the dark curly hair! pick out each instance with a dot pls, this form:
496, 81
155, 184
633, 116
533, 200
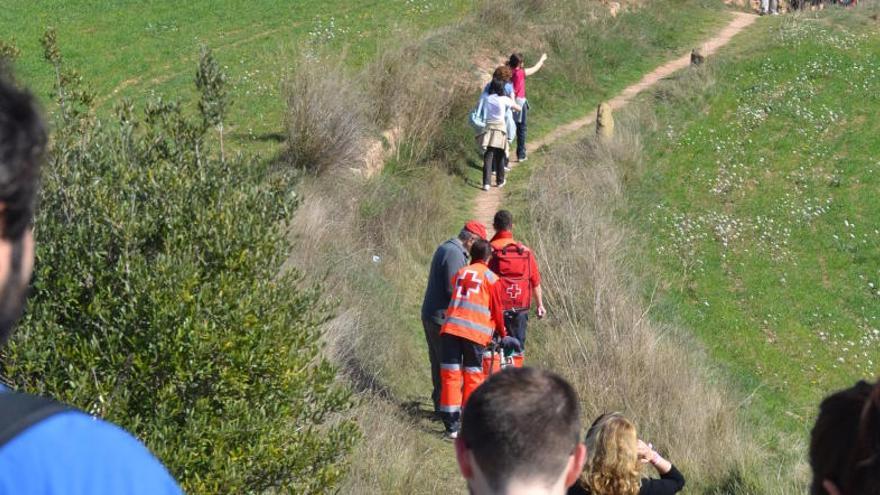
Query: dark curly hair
845, 442
496, 87
515, 60
22, 148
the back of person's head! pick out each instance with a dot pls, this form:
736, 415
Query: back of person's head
496, 87
612, 457
502, 73
521, 426
516, 60
845, 442
22, 147
480, 250
503, 220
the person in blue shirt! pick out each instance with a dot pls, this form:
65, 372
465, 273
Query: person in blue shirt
50, 448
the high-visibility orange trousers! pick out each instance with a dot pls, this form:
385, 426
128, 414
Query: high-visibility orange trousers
461, 372
518, 359
493, 362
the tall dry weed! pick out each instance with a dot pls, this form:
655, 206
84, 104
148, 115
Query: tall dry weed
603, 339
326, 119
366, 243
411, 97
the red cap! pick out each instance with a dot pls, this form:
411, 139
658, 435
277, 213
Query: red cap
476, 228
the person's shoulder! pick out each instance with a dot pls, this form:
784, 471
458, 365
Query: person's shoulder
497, 243
452, 246
72, 452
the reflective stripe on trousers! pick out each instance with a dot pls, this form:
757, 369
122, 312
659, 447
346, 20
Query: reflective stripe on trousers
460, 374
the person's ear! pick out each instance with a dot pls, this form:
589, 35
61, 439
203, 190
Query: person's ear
576, 464
463, 456
830, 487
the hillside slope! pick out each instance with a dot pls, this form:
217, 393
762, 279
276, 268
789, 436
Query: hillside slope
392, 222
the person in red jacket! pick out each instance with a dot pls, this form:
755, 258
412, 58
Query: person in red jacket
515, 264
473, 318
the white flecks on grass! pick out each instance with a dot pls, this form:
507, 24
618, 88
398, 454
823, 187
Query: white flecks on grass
770, 95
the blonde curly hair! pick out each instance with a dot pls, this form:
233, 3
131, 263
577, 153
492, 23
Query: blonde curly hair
612, 466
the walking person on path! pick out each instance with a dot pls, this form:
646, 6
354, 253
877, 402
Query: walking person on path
473, 318
449, 258
520, 279
503, 73
769, 7
47, 447
493, 141
519, 74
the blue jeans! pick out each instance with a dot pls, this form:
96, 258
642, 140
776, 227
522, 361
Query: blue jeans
516, 323
521, 128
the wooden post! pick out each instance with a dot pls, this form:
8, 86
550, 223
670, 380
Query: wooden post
604, 121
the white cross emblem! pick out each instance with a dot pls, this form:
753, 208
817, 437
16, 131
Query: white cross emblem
467, 283
513, 291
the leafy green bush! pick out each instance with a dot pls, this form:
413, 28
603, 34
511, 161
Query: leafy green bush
159, 303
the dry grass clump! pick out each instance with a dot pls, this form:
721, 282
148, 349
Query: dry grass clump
326, 119
603, 340
411, 97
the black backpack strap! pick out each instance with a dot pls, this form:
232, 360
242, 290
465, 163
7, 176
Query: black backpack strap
18, 412
518, 246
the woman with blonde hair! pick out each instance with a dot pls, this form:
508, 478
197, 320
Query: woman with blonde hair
614, 459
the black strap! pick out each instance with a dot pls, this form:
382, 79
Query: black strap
18, 412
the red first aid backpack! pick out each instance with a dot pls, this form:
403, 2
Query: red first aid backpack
513, 264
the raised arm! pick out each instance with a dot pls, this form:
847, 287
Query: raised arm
671, 480
535, 68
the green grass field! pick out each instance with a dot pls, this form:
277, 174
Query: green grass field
132, 49
759, 208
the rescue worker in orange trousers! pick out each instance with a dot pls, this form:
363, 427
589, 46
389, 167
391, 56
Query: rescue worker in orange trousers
474, 316
448, 259
515, 265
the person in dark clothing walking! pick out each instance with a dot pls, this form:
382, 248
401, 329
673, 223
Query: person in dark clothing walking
449, 258
614, 453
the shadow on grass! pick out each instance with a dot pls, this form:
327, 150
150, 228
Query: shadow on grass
266, 137
418, 409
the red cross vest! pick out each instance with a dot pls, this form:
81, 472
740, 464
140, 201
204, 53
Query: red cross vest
469, 315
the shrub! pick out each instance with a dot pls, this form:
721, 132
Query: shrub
326, 121
159, 304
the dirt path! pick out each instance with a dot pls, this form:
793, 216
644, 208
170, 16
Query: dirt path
489, 202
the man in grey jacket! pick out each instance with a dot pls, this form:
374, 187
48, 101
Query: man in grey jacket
449, 257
